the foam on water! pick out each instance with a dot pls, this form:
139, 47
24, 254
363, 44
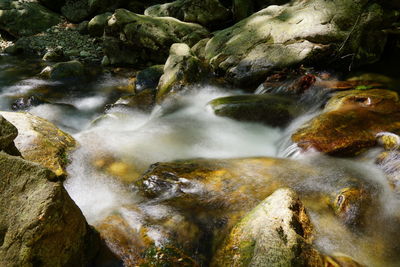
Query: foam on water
192, 131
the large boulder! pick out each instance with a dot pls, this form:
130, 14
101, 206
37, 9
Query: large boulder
41, 141
40, 225
8, 133
182, 68
23, 18
138, 39
64, 70
204, 12
299, 32
350, 122
278, 232
98, 23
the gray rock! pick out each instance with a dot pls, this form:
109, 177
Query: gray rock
67, 70
40, 225
204, 12
182, 68
149, 77
98, 23
137, 38
8, 133
275, 233
25, 18
299, 32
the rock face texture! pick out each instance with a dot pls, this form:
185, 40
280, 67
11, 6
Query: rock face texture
39, 224
277, 232
204, 12
8, 133
138, 38
41, 141
298, 32
350, 122
182, 68
25, 18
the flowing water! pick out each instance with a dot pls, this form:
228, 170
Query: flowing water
116, 149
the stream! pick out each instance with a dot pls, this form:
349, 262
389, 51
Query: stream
116, 147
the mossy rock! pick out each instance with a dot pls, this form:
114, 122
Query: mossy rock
204, 12
8, 133
146, 38
41, 141
268, 109
149, 77
300, 32
40, 224
350, 122
23, 18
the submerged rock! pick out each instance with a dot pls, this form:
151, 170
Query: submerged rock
350, 122
41, 141
40, 224
225, 189
298, 33
204, 12
138, 38
182, 68
278, 232
142, 101
24, 18
268, 109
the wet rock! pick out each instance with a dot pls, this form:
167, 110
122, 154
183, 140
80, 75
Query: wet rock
138, 241
23, 18
199, 49
268, 109
8, 133
204, 12
41, 141
182, 68
42, 226
138, 38
350, 121
27, 102
54, 55
98, 23
299, 32
221, 191
64, 70
142, 101
149, 77
388, 140
278, 232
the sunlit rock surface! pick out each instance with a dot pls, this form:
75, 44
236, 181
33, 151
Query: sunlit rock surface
350, 122
298, 32
39, 223
139, 38
204, 12
41, 141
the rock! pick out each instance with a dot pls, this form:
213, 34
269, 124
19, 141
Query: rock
199, 49
204, 12
65, 70
98, 23
138, 241
54, 55
142, 101
23, 18
135, 39
41, 141
278, 232
26, 102
149, 77
40, 224
8, 133
221, 191
350, 122
300, 32
388, 140
182, 68
268, 109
